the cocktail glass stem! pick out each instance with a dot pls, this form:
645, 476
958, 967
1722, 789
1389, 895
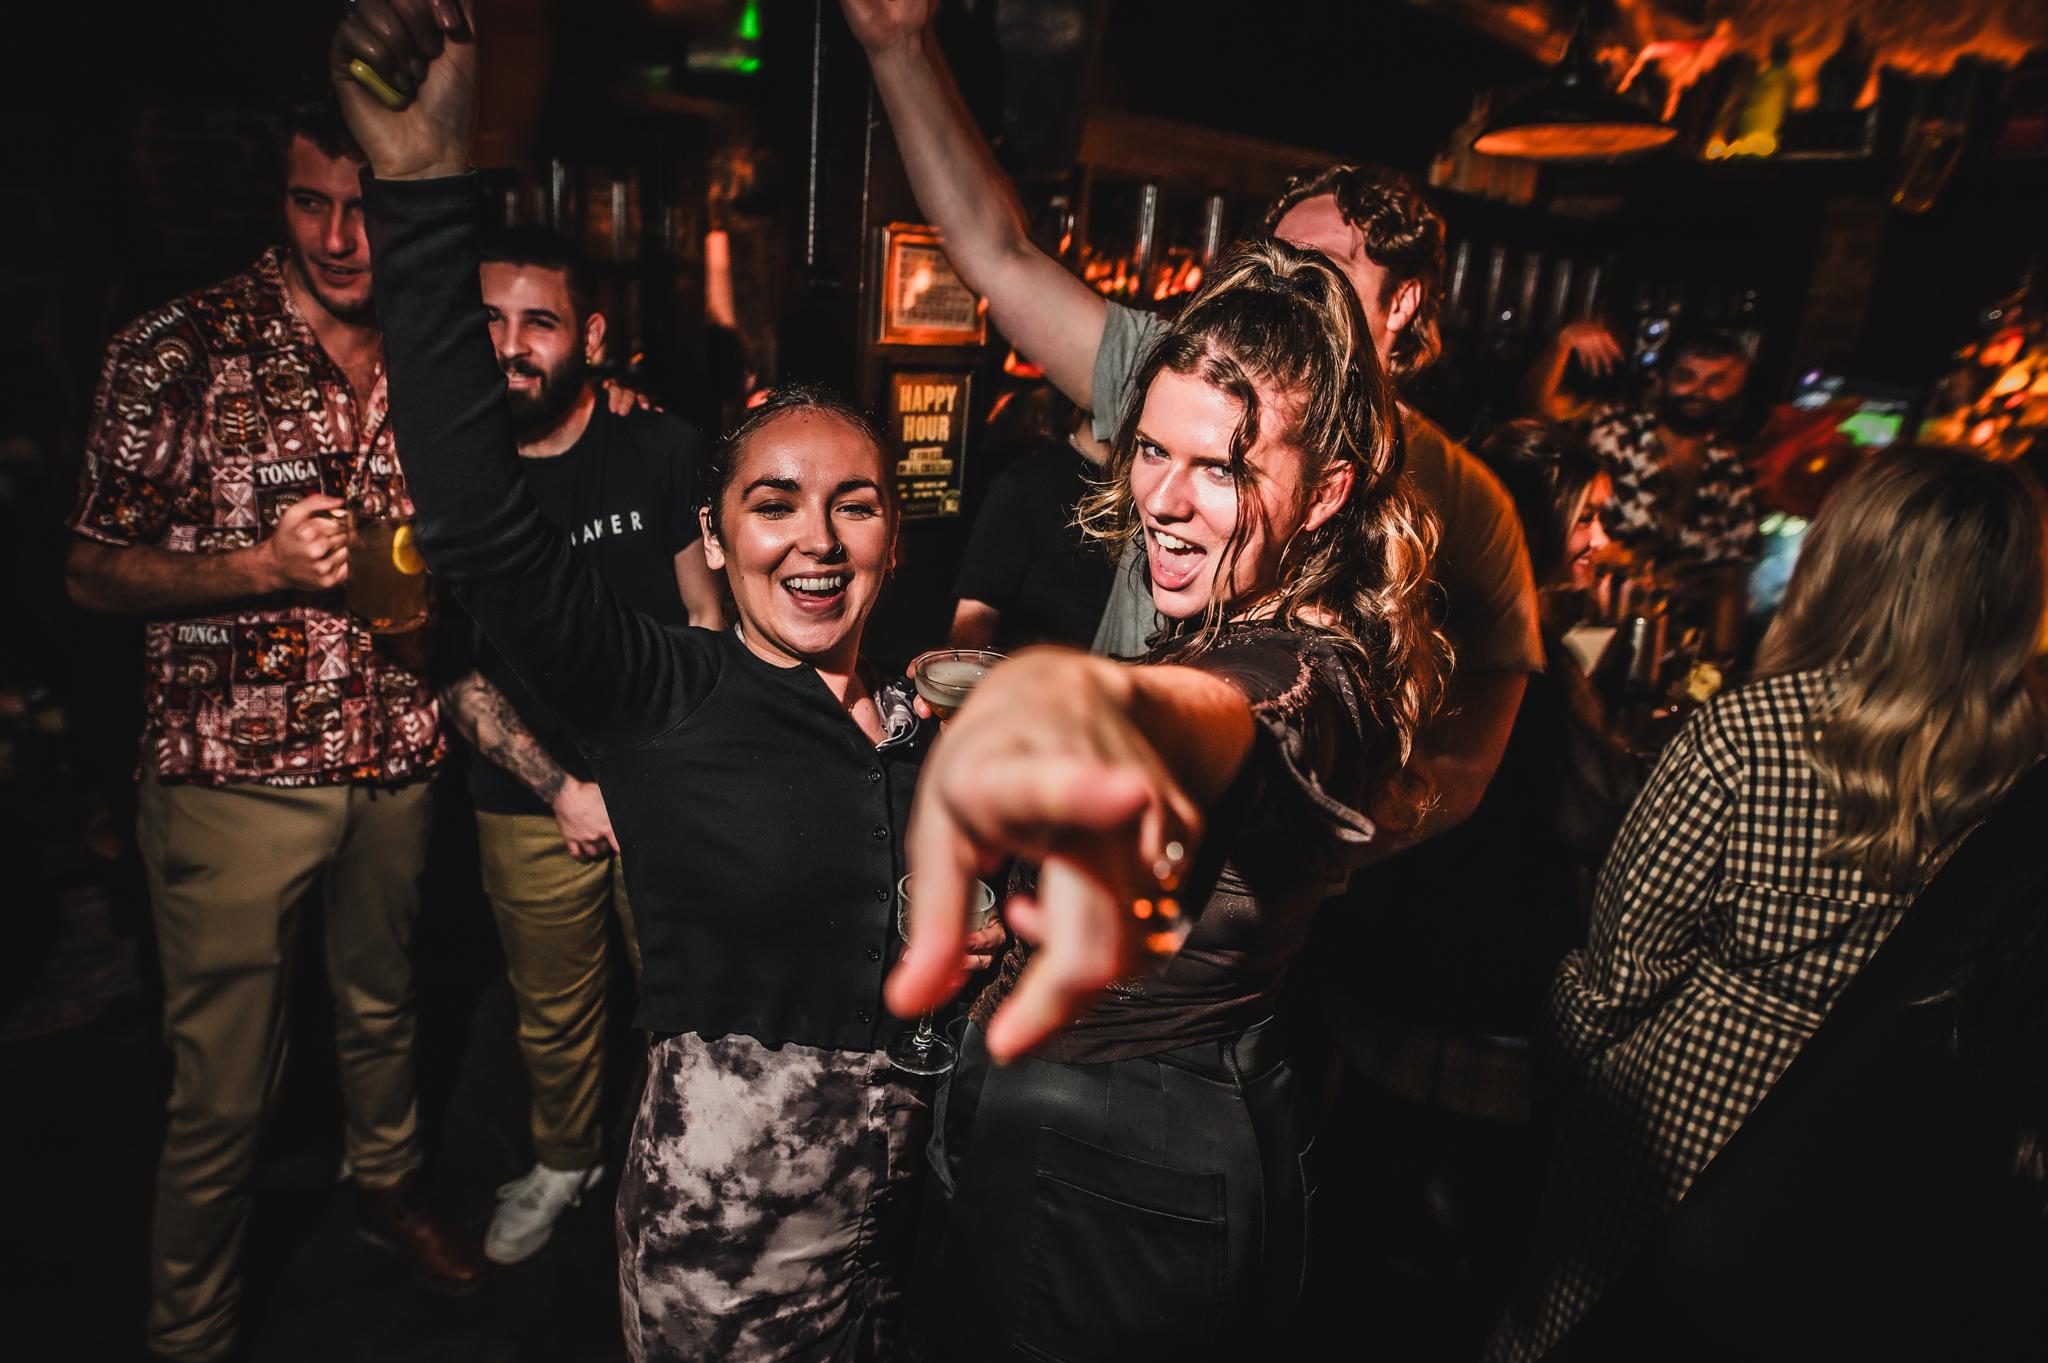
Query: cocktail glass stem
924, 1051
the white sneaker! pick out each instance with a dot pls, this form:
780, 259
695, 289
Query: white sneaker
528, 1208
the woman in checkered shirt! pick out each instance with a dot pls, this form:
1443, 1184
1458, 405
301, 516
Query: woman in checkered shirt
1780, 838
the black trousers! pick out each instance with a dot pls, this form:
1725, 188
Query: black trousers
1154, 1208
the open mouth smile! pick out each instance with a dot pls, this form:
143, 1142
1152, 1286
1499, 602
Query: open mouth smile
1175, 562
818, 593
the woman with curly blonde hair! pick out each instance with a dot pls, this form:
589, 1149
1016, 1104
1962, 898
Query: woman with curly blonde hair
1779, 841
1122, 1175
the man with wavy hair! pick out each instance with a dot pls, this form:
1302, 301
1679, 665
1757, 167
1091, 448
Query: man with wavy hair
1385, 240
285, 752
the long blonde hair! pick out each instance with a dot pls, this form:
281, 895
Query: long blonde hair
1922, 583
1270, 313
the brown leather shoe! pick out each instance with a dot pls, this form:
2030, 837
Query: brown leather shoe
444, 1256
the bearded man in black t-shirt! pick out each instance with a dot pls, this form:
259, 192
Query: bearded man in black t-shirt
623, 488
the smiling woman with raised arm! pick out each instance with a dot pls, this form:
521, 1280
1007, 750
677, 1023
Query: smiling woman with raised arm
1130, 1184
757, 778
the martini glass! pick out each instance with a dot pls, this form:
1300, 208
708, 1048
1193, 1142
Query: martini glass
924, 1051
944, 676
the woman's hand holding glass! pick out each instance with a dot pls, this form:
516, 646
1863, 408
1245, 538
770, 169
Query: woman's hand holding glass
923, 1050
945, 677
1046, 760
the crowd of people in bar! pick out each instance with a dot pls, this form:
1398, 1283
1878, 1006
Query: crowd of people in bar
1350, 869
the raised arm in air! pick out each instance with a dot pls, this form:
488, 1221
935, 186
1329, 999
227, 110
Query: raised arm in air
612, 675
1050, 316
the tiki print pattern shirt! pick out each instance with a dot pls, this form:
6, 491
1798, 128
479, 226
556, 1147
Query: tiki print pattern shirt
1721, 525
214, 413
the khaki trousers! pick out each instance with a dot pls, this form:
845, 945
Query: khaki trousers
551, 911
228, 868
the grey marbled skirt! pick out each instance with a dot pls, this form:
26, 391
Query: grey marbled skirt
767, 1202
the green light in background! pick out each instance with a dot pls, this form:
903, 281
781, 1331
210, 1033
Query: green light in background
1873, 428
736, 55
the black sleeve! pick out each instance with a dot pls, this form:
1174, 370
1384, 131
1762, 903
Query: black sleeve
998, 548
1312, 748
613, 676
453, 650
686, 458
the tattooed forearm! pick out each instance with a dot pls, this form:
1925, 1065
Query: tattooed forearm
482, 715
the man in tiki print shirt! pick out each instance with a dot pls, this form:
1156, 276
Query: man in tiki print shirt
1684, 499
234, 431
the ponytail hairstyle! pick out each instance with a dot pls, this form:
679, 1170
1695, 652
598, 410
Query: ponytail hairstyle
1922, 582
1274, 315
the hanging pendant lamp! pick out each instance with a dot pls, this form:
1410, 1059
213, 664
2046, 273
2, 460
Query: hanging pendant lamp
1573, 116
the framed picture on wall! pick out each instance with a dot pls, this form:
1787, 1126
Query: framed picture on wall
923, 301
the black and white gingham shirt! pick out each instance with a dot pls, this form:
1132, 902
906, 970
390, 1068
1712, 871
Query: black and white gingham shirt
1719, 941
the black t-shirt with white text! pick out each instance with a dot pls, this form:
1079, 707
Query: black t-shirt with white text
626, 495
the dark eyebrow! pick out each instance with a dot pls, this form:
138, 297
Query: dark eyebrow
307, 191
857, 485
544, 314
775, 484
1197, 459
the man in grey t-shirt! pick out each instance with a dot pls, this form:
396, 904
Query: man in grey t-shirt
1386, 241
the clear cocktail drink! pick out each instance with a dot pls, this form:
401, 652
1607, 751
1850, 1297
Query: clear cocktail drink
922, 1050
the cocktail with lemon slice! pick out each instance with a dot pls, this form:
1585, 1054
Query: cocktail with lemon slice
387, 578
